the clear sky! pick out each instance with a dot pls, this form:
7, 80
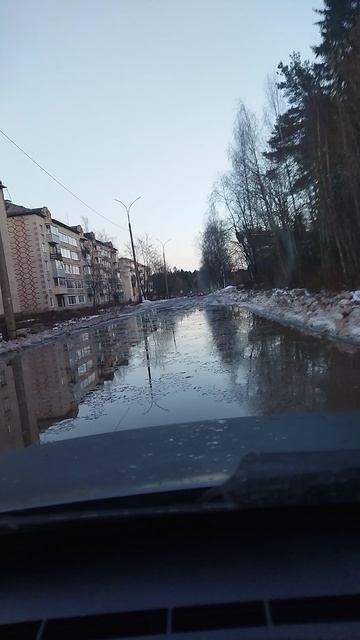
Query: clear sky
119, 98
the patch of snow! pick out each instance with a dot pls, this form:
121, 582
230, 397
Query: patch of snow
336, 315
229, 288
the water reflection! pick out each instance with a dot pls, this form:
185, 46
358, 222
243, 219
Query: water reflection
167, 367
284, 369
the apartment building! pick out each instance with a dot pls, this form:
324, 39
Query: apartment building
53, 265
46, 259
128, 278
66, 264
29, 257
101, 271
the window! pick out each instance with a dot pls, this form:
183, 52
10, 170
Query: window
74, 255
63, 237
71, 299
71, 268
59, 282
59, 264
54, 230
81, 299
65, 252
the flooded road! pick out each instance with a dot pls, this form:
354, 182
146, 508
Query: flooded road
180, 362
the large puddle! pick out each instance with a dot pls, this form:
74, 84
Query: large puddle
167, 366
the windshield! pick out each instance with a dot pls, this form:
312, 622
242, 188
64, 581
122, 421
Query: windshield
179, 249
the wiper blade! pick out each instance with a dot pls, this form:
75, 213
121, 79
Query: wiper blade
290, 479
103, 510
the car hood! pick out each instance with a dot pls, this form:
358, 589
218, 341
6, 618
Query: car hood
253, 461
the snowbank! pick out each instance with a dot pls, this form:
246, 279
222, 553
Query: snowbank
336, 315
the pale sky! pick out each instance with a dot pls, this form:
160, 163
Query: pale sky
120, 98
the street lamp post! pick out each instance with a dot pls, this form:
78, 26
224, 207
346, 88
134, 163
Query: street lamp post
164, 261
127, 209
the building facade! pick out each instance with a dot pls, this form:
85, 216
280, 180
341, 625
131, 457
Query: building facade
128, 278
8, 258
66, 264
53, 266
30, 257
102, 272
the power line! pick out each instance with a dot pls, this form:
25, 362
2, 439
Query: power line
50, 175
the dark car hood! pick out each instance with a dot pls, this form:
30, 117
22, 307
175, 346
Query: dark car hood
242, 461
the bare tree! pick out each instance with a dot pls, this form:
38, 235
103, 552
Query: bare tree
215, 253
149, 260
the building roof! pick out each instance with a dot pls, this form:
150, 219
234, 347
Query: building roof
75, 229
17, 210
90, 235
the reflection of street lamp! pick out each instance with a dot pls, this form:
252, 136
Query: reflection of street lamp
165, 271
148, 366
127, 209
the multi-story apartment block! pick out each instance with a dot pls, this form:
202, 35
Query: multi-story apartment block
46, 258
101, 271
53, 265
66, 264
128, 277
29, 257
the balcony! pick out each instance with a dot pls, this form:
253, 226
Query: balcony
55, 254
52, 239
57, 272
59, 290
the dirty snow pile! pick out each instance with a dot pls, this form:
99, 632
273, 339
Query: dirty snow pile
336, 315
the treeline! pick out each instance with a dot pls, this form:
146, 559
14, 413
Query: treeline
290, 202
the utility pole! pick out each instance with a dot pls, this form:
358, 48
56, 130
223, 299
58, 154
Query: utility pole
4, 278
127, 209
165, 269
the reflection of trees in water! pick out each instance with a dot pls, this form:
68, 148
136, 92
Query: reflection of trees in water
276, 369
225, 325
161, 331
298, 371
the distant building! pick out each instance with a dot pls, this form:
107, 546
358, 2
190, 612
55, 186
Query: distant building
128, 278
66, 264
101, 271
